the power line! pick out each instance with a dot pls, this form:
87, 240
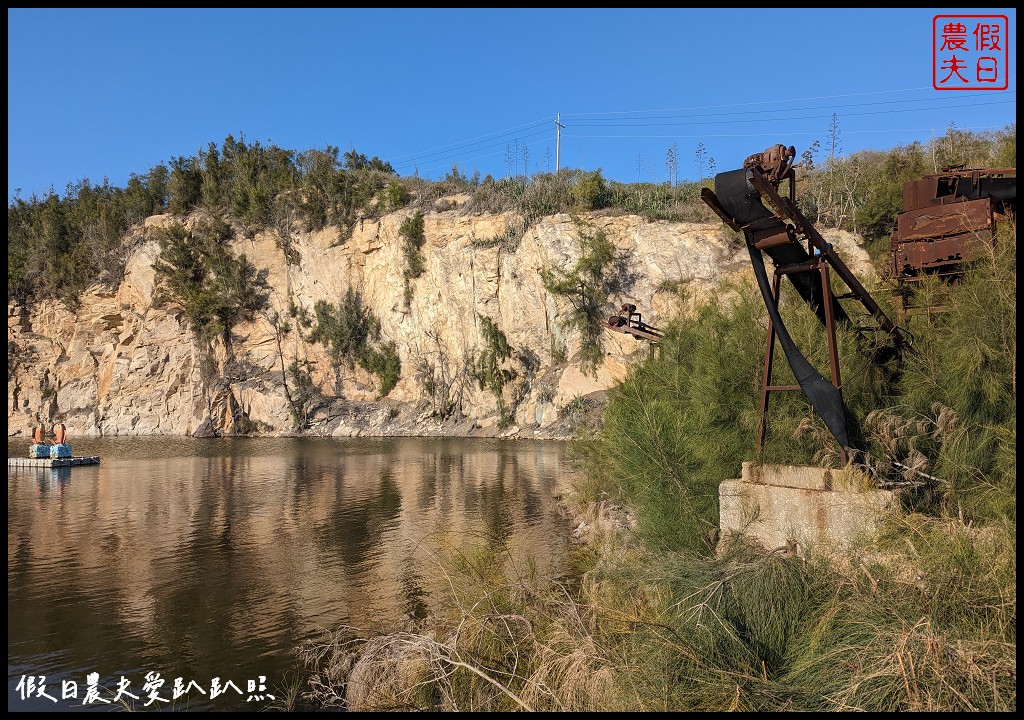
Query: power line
441, 155
497, 133
808, 117
594, 122
467, 160
415, 162
761, 102
440, 163
773, 134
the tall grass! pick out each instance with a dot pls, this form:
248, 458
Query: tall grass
920, 617
965, 367
502, 639
928, 625
686, 418
924, 619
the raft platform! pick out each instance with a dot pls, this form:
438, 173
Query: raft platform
51, 462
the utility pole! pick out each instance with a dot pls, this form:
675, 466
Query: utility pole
558, 139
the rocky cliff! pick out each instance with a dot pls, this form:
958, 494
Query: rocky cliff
120, 363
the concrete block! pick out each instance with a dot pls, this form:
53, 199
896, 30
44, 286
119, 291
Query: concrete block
796, 507
794, 476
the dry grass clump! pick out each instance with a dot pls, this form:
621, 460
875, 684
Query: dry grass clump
920, 618
493, 644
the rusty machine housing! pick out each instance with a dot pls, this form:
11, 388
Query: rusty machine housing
949, 220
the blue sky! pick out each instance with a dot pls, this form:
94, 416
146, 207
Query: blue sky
105, 93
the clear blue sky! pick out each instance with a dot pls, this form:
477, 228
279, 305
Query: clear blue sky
104, 93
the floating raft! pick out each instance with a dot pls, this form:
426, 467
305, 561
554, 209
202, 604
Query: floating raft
51, 462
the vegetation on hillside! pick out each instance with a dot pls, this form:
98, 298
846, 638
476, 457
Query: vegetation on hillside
413, 238
599, 272
351, 333
60, 244
492, 368
215, 289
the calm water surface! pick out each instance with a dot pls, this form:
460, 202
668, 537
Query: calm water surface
216, 558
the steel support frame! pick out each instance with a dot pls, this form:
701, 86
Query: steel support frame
767, 387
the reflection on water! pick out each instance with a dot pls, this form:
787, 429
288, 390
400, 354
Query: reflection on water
206, 559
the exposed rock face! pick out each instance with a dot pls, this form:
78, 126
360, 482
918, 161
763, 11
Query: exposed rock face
120, 364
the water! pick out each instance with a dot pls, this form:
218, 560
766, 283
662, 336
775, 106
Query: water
216, 558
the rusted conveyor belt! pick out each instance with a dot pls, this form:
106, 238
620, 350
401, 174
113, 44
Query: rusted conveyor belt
737, 199
800, 253
769, 234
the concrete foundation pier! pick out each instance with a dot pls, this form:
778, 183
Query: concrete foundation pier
798, 508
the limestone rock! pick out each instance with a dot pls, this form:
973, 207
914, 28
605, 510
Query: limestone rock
122, 364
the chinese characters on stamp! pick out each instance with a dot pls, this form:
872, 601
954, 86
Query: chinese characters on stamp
970, 52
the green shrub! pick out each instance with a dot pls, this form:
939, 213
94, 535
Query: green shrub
590, 191
490, 369
960, 386
394, 196
304, 397
413, 238
599, 272
351, 332
344, 329
215, 289
383, 362
882, 198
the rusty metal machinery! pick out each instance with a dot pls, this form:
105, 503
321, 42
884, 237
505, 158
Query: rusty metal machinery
799, 253
629, 321
948, 220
